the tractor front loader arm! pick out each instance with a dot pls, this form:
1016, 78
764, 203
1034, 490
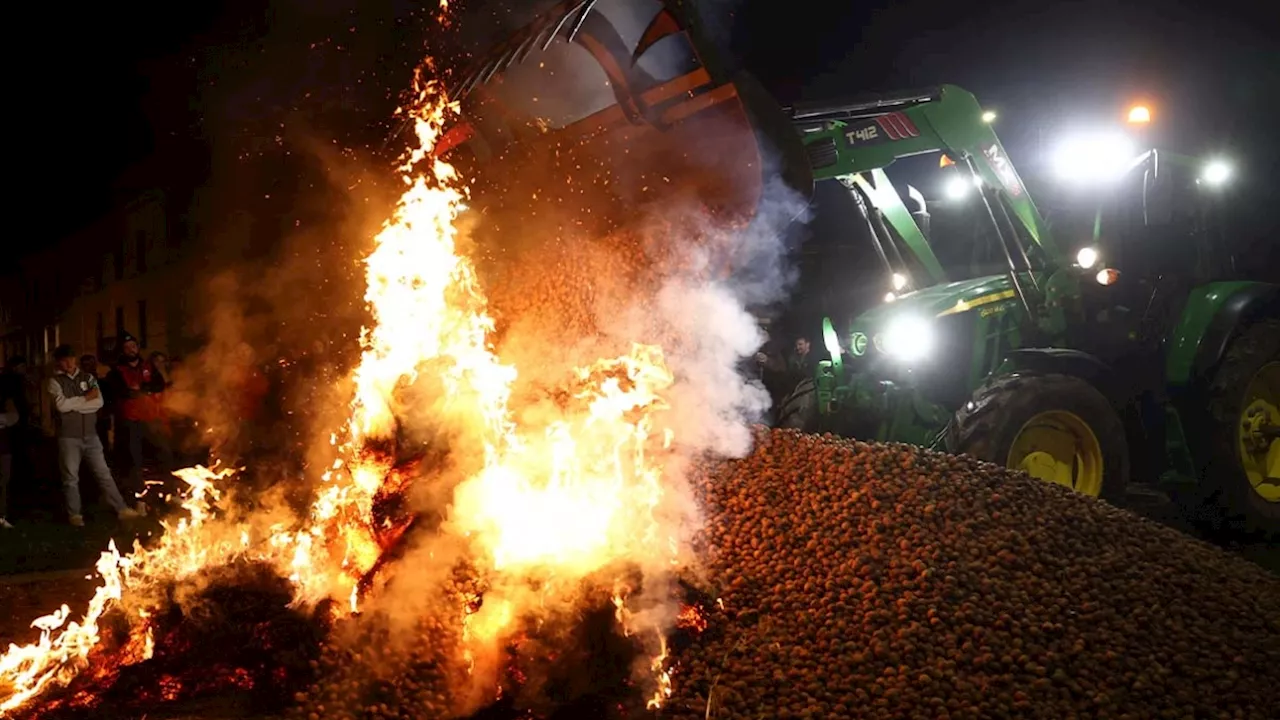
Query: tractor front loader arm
867, 134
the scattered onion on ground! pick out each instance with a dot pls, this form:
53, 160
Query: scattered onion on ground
885, 581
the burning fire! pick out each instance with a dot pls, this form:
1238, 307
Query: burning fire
551, 504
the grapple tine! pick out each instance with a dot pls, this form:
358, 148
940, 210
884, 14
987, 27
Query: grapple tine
588, 5
535, 40
463, 88
468, 82
536, 35
570, 9
493, 68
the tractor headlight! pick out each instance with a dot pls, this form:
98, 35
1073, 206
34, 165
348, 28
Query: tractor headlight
959, 186
1093, 159
1087, 258
907, 338
1216, 173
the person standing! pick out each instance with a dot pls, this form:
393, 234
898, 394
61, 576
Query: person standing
17, 441
161, 424
135, 384
771, 369
8, 419
77, 399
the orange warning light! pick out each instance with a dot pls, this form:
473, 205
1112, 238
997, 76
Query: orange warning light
1139, 115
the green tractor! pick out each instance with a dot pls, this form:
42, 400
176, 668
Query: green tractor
1147, 355
1141, 352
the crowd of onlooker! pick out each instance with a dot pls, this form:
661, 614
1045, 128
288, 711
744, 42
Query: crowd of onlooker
104, 415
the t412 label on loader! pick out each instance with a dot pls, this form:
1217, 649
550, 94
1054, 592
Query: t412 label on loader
877, 130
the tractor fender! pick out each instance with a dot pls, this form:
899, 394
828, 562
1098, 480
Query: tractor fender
1189, 392
1247, 305
1064, 361
1099, 374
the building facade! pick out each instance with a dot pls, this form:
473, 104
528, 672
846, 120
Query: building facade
125, 272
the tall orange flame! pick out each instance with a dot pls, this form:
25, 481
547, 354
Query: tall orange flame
551, 504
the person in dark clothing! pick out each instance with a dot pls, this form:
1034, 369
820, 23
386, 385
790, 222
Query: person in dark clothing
13, 383
136, 386
802, 364
771, 369
8, 418
15, 414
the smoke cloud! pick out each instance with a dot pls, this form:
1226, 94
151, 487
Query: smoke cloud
279, 313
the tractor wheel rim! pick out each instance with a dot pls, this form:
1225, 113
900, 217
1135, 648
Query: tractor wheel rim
1261, 409
1059, 447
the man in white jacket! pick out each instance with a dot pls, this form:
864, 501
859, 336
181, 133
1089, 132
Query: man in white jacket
77, 399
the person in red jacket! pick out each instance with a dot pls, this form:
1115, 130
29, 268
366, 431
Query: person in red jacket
137, 382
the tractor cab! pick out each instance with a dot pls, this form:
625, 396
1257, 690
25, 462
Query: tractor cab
1158, 234
1164, 217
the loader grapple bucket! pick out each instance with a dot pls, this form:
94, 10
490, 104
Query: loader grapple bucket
600, 112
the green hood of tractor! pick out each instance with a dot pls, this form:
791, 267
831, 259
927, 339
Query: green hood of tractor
945, 299
979, 294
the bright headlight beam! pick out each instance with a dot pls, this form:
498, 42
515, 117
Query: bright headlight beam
1093, 158
908, 339
1216, 172
956, 188
1087, 257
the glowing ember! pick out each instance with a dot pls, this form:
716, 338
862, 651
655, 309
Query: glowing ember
692, 618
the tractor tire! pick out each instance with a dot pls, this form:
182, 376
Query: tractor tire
1225, 476
989, 424
799, 409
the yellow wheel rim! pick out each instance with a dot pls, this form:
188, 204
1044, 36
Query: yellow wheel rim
1259, 420
1059, 447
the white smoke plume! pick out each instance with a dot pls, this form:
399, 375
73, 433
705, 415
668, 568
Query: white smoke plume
708, 328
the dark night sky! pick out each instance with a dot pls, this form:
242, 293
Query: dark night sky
178, 77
